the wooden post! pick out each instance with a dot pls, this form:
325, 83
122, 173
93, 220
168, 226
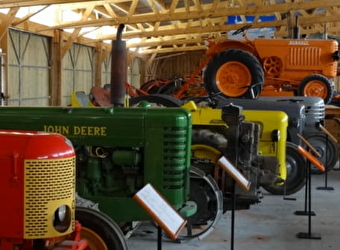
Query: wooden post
56, 69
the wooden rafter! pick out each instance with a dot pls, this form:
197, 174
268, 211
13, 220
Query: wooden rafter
163, 24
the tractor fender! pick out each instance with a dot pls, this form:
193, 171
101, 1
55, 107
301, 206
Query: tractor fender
231, 44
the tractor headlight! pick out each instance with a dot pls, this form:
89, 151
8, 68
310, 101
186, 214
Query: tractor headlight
62, 218
275, 135
61, 213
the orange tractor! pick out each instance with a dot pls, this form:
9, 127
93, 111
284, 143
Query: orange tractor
280, 67
267, 67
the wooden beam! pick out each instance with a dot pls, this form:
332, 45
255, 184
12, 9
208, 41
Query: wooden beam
26, 3
26, 18
98, 64
76, 32
160, 21
6, 22
56, 70
181, 14
177, 49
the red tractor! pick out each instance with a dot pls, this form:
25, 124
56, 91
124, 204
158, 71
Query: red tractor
37, 195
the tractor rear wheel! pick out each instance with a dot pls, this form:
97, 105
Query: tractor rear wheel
296, 172
234, 73
318, 86
206, 149
101, 232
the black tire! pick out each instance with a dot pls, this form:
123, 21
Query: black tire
209, 138
324, 146
208, 198
296, 173
253, 88
151, 86
101, 232
158, 99
171, 87
322, 87
209, 145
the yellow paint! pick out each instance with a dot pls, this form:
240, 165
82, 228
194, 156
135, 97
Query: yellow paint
76, 130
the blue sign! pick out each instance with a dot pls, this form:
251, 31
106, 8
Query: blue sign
249, 19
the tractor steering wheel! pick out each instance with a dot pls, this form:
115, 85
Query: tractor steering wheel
240, 30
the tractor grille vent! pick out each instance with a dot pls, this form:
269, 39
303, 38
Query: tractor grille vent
304, 56
46, 183
175, 157
315, 112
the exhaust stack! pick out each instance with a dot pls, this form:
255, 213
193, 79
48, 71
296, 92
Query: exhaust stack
296, 29
118, 69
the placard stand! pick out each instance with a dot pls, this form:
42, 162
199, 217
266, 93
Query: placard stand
284, 194
159, 209
159, 237
310, 159
307, 192
328, 135
238, 178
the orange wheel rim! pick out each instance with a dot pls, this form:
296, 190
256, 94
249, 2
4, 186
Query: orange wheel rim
273, 66
233, 79
315, 88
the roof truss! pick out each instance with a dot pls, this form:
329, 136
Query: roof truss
167, 26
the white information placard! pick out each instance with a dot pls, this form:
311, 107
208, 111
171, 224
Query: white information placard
234, 173
160, 210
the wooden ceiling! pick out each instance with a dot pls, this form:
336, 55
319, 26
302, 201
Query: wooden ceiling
176, 26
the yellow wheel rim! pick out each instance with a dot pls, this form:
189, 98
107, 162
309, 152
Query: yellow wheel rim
95, 242
233, 78
205, 151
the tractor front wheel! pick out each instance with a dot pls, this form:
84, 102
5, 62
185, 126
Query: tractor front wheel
318, 86
326, 147
101, 232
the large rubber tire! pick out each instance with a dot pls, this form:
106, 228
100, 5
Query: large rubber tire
208, 198
324, 146
296, 173
236, 73
211, 139
101, 232
152, 86
207, 144
157, 100
318, 86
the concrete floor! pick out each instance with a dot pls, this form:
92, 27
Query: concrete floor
271, 224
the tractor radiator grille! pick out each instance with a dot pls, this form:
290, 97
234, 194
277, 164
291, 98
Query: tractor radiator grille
175, 157
304, 56
48, 184
315, 111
